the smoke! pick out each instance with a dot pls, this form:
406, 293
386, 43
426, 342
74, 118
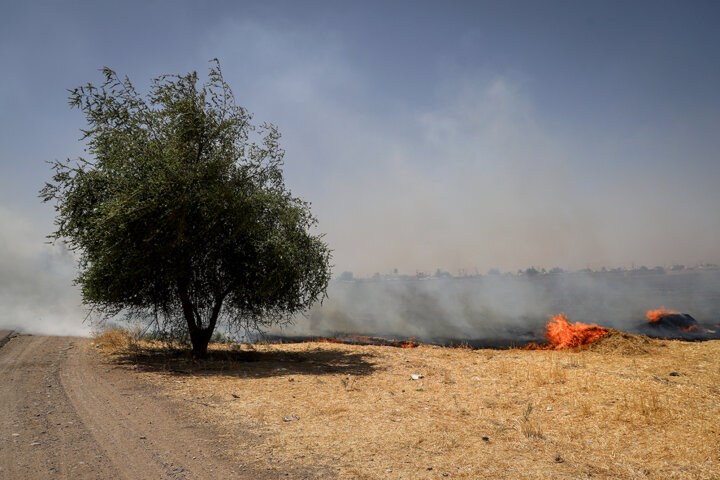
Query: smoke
482, 183
469, 174
502, 309
476, 176
36, 290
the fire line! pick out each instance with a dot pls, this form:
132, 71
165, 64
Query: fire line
561, 334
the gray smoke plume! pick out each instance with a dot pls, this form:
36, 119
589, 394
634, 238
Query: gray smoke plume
502, 309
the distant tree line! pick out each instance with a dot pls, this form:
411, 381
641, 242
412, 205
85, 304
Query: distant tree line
530, 272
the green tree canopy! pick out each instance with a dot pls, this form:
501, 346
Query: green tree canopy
180, 213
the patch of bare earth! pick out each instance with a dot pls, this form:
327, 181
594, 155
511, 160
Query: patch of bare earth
624, 407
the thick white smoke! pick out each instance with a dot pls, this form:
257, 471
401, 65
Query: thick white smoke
36, 290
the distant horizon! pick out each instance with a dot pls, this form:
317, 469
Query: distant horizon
539, 270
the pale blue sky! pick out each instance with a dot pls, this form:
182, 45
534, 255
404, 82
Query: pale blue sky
426, 134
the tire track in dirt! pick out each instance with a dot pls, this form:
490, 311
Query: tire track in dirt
66, 414
139, 432
41, 435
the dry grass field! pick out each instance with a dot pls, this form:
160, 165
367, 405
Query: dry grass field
624, 407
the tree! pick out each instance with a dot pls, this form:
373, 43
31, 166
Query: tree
181, 214
531, 271
346, 276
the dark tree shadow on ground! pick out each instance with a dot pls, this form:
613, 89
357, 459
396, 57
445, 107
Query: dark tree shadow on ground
249, 363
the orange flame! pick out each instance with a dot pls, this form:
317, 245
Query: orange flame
324, 340
693, 328
411, 343
561, 334
654, 316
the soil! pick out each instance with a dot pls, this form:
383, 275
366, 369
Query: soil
64, 413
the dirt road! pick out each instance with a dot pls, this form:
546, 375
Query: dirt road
5, 336
65, 414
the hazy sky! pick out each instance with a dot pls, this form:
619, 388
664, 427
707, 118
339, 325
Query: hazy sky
426, 134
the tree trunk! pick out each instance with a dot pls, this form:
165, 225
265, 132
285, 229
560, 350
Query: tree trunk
199, 336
